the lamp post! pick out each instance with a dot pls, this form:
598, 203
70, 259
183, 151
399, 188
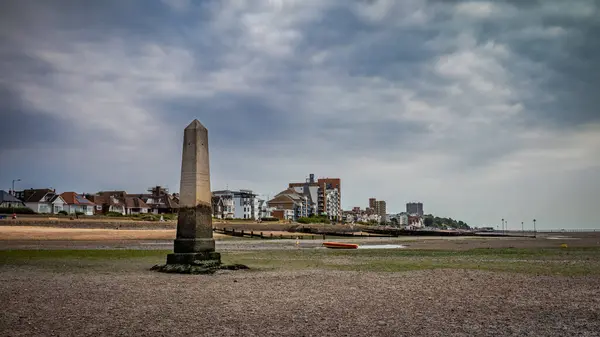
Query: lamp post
13, 193
505, 226
13, 186
534, 229
523, 228
502, 226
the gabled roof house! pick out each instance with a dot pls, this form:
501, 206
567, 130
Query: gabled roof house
9, 201
77, 203
43, 200
118, 202
292, 200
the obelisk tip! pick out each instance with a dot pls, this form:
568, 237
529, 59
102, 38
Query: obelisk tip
195, 124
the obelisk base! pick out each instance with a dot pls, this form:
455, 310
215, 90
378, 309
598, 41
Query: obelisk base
195, 263
192, 258
191, 263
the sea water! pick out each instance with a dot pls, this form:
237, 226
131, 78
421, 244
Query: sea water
380, 246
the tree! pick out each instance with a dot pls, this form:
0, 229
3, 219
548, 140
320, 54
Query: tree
428, 221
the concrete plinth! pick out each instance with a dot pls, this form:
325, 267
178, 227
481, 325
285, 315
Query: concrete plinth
194, 230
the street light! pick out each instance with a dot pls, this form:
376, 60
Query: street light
502, 226
522, 228
13, 186
534, 230
13, 193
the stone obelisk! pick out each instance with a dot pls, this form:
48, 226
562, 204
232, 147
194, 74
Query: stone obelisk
194, 244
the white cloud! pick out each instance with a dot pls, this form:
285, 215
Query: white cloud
104, 85
477, 9
576, 9
393, 13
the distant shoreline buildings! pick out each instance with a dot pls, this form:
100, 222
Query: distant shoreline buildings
319, 197
415, 208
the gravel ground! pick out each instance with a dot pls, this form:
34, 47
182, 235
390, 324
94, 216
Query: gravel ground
297, 303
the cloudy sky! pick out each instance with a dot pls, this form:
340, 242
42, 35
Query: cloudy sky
482, 110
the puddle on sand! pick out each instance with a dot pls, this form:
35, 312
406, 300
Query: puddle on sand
380, 246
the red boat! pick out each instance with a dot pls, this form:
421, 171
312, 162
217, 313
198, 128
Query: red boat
340, 245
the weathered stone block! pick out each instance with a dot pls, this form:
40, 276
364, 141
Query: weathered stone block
191, 258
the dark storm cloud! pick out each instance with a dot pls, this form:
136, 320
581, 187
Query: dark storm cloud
574, 80
563, 47
97, 19
374, 137
22, 126
235, 120
363, 49
22, 130
338, 27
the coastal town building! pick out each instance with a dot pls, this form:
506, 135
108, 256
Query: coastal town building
76, 203
359, 215
43, 200
399, 219
157, 201
379, 208
414, 208
320, 193
291, 205
7, 200
117, 202
242, 204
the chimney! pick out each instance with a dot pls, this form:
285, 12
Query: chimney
311, 178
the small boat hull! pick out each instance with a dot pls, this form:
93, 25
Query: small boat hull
340, 245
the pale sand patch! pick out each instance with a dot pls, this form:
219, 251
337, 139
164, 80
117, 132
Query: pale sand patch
49, 233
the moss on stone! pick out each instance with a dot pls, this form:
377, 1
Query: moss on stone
198, 267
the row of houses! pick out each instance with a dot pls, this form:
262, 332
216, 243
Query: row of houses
353, 216
407, 220
320, 197
48, 201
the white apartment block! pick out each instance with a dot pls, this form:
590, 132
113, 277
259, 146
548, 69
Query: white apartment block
333, 203
242, 204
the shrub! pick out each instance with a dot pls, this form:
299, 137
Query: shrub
16, 210
63, 213
314, 219
117, 214
150, 217
167, 216
304, 220
79, 213
269, 219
